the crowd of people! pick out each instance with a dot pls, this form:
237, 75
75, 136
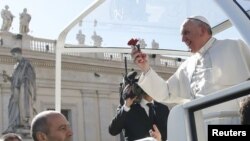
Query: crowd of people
204, 72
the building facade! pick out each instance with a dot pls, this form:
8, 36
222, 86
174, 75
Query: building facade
90, 83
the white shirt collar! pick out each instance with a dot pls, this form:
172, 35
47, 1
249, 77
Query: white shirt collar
208, 44
145, 102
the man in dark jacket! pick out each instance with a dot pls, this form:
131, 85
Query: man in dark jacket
136, 119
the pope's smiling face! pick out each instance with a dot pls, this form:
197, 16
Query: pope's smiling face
192, 35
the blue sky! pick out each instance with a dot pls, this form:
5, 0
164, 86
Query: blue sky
49, 17
117, 20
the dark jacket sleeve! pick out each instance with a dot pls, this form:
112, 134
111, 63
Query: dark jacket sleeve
118, 122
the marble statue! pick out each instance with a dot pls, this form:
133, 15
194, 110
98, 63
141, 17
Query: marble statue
97, 40
24, 22
155, 45
21, 108
7, 17
142, 43
80, 38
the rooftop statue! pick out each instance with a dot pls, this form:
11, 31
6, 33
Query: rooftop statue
142, 43
155, 45
24, 22
80, 38
7, 17
97, 40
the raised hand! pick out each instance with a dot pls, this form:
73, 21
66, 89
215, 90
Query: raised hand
140, 58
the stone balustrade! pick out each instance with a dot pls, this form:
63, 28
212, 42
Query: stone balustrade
42, 45
8, 39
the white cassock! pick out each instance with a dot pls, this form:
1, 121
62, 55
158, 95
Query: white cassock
218, 65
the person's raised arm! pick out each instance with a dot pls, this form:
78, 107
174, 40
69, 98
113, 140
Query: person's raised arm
140, 58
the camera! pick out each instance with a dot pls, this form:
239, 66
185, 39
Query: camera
130, 88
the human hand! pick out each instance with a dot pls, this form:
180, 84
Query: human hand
129, 101
6, 77
140, 58
155, 133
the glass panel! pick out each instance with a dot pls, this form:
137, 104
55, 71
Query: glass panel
116, 21
231, 33
224, 113
245, 4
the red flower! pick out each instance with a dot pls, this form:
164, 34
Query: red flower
132, 42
